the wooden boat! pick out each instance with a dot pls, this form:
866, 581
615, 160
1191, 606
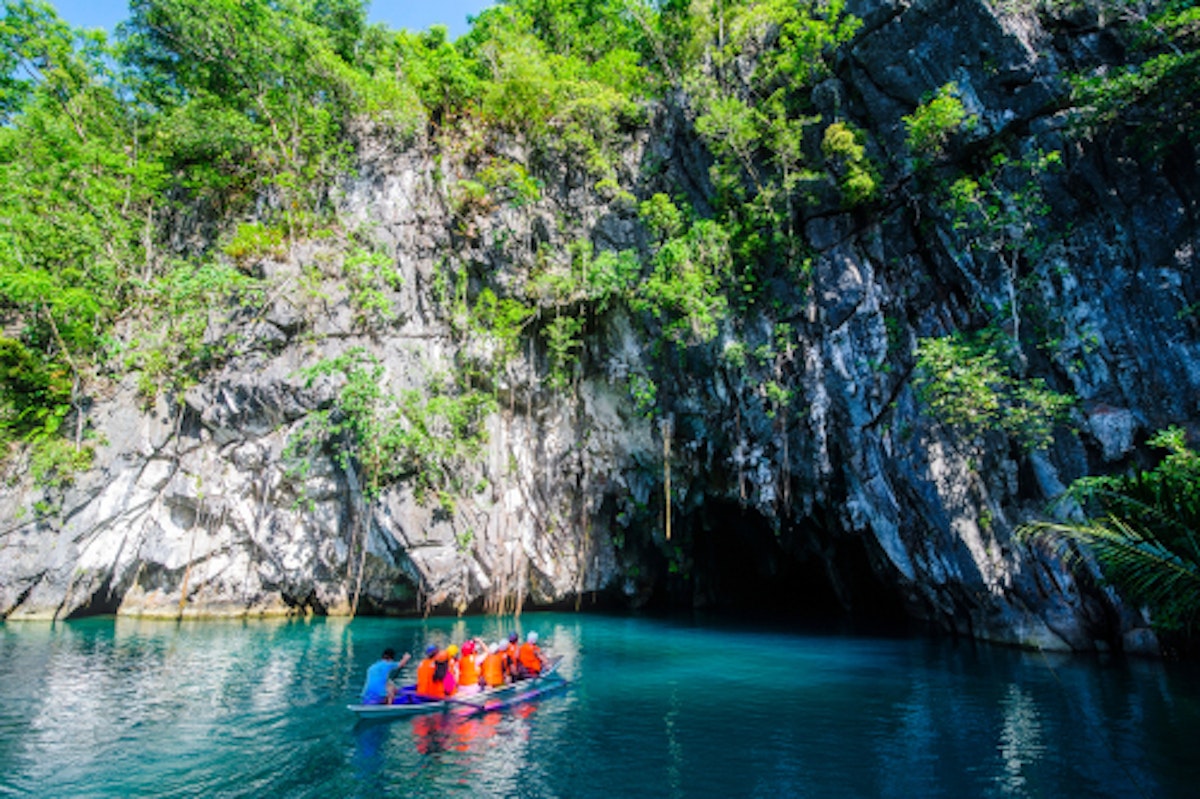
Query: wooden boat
408, 703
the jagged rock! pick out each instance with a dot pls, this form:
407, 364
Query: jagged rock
197, 506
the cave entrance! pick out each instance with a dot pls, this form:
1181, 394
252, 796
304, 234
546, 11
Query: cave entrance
744, 566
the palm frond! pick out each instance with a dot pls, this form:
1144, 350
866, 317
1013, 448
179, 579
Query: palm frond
1135, 560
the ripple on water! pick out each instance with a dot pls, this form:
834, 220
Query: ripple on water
111, 709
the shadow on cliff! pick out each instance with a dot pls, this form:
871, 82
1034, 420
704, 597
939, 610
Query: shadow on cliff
739, 565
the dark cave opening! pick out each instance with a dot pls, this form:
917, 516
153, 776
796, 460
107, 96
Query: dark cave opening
739, 564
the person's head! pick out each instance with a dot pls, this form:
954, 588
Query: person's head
431, 650
389, 654
468, 648
512, 638
531, 638
452, 651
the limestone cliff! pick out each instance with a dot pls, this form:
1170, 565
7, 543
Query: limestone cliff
848, 496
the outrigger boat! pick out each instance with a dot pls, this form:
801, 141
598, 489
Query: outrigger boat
408, 703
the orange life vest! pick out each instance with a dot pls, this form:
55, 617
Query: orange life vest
531, 658
468, 670
511, 659
443, 675
426, 684
493, 669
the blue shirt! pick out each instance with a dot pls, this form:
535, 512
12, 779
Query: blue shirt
375, 688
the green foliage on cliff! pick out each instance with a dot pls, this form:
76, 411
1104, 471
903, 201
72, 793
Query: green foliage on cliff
1144, 529
250, 97
243, 111
187, 330
936, 120
145, 180
77, 198
1154, 97
965, 383
387, 435
756, 122
685, 288
858, 178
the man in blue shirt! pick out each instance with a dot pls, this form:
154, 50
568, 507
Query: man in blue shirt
379, 688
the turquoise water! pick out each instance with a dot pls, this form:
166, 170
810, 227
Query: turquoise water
105, 708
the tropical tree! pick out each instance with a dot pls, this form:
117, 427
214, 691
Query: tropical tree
251, 96
77, 188
1144, 530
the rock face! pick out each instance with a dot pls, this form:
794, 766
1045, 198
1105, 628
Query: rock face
845, 498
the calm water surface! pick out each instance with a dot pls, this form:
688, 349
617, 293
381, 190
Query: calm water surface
106, 708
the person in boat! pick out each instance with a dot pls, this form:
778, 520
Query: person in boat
512, 657
468, 668
493, 671
430, 684
380, 687
450, 681
529, 657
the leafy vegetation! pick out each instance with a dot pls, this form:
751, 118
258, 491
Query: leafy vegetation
245, 109
965, 384
858, 178
756, 125
380, 436
1153, 98
237, 118
1143, 530
935, 121
188, 308
388, 435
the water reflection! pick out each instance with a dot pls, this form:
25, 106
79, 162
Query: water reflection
120, 708
368, 762
1020, 739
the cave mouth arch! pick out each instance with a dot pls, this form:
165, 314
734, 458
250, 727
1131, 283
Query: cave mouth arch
742, 565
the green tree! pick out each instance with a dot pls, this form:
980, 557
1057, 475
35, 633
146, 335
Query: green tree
936, 120
446, 79
77, 192
1144, 530
685, 289
964, 382
756, 122
252, 95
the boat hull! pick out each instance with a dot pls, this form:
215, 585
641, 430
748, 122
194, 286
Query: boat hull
466, 704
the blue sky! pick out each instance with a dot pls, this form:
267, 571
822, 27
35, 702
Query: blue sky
413, 14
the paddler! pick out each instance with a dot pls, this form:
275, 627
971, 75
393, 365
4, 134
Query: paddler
450, 681
512, 657
380, 687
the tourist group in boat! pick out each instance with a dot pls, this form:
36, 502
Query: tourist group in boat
454, 670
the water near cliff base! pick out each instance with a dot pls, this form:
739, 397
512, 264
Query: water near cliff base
658, 708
